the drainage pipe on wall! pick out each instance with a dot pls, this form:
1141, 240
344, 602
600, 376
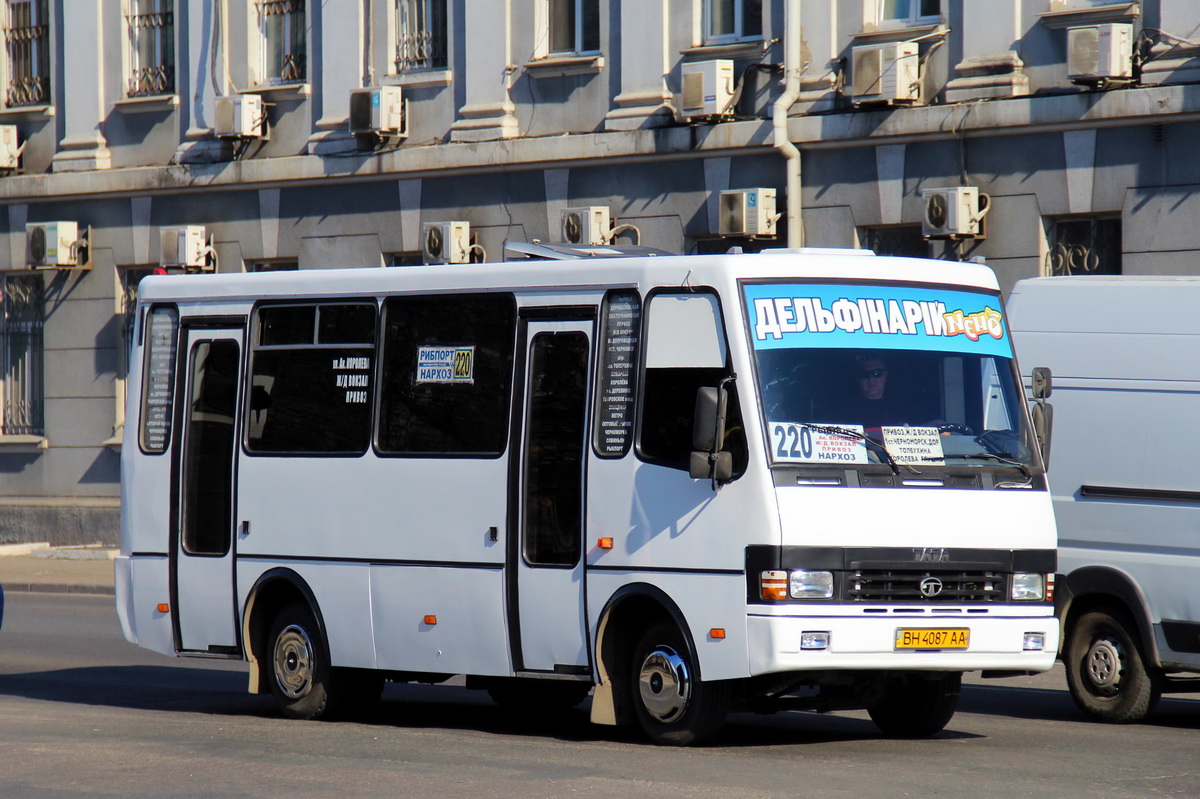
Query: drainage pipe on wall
779, 119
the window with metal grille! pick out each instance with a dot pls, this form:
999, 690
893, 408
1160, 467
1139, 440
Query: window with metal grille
732, 20
420, 35
903, 240
21, 357
27, 40
1090, 246
574, 26
151, 47
283, 28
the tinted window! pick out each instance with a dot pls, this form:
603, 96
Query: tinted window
208, 451
311, 379
446, 374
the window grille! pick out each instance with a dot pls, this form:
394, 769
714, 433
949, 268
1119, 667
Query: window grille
903, 240
1085, 247
420, 35
21, 356
27, 39
284, 37
151, 47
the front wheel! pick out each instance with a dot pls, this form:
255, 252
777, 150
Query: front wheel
917, 705
673, 706
1106, 671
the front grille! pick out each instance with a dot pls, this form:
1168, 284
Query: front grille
896, 585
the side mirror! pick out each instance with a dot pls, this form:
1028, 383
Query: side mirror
709, 426
1043, 422
708, 433
1042, 383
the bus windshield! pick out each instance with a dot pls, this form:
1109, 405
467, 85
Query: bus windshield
907, 376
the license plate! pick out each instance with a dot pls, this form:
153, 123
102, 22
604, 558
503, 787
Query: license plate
940, 638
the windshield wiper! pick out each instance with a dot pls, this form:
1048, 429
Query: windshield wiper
842, 431
989, 456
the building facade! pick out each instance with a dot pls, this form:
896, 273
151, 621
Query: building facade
1044, 136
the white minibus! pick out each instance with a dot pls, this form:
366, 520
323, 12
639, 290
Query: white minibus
683, 484
1124, 355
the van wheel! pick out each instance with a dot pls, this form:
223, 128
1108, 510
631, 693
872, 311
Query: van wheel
303, 683
673, 706
917, 707
1106, 670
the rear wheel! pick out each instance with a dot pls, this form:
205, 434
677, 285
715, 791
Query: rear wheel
917, 705
673, 706
1106, 670
303, 682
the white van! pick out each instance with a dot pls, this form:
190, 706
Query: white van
661, 480
1125, 357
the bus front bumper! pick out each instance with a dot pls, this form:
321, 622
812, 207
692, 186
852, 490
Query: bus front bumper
783, 643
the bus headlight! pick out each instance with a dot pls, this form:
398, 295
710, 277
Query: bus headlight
804, 584
1028, 587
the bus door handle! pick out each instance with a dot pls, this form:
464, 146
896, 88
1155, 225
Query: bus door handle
244, 529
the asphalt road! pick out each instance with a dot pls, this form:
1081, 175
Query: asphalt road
84, 714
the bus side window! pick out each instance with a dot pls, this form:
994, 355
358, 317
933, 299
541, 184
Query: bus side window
685, 350
447, 375
310, 379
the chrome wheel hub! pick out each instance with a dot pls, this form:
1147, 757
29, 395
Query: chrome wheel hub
664, 684
293, 662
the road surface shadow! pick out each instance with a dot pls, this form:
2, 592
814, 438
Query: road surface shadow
1057, 705
403, 706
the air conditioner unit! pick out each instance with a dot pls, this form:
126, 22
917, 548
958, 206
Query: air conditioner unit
748, 212
184, 247
10, 152
955, 212
1098, 54
446, 242
240, 116
379, 110
708, 88
887, 73
589, 226
52, 244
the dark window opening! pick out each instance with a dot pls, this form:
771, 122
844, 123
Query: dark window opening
447, 375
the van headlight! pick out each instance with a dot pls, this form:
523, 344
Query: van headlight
1028, 587
804, 584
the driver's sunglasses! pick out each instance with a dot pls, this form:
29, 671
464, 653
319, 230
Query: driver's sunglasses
866, 374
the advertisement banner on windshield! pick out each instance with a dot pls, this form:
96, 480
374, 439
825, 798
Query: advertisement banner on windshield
791, 315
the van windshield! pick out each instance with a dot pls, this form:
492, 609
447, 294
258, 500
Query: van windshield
911, 376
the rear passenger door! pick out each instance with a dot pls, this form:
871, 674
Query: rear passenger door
202, 549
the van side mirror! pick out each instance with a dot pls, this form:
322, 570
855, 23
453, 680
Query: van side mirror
1042, 383
1043, 412
1043, 422
708, 433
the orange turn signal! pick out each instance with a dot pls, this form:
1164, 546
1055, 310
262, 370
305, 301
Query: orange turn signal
774, 585
430, 620
605, 543
717, 633
163, 607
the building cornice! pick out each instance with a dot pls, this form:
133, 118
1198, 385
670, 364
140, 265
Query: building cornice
999, 117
